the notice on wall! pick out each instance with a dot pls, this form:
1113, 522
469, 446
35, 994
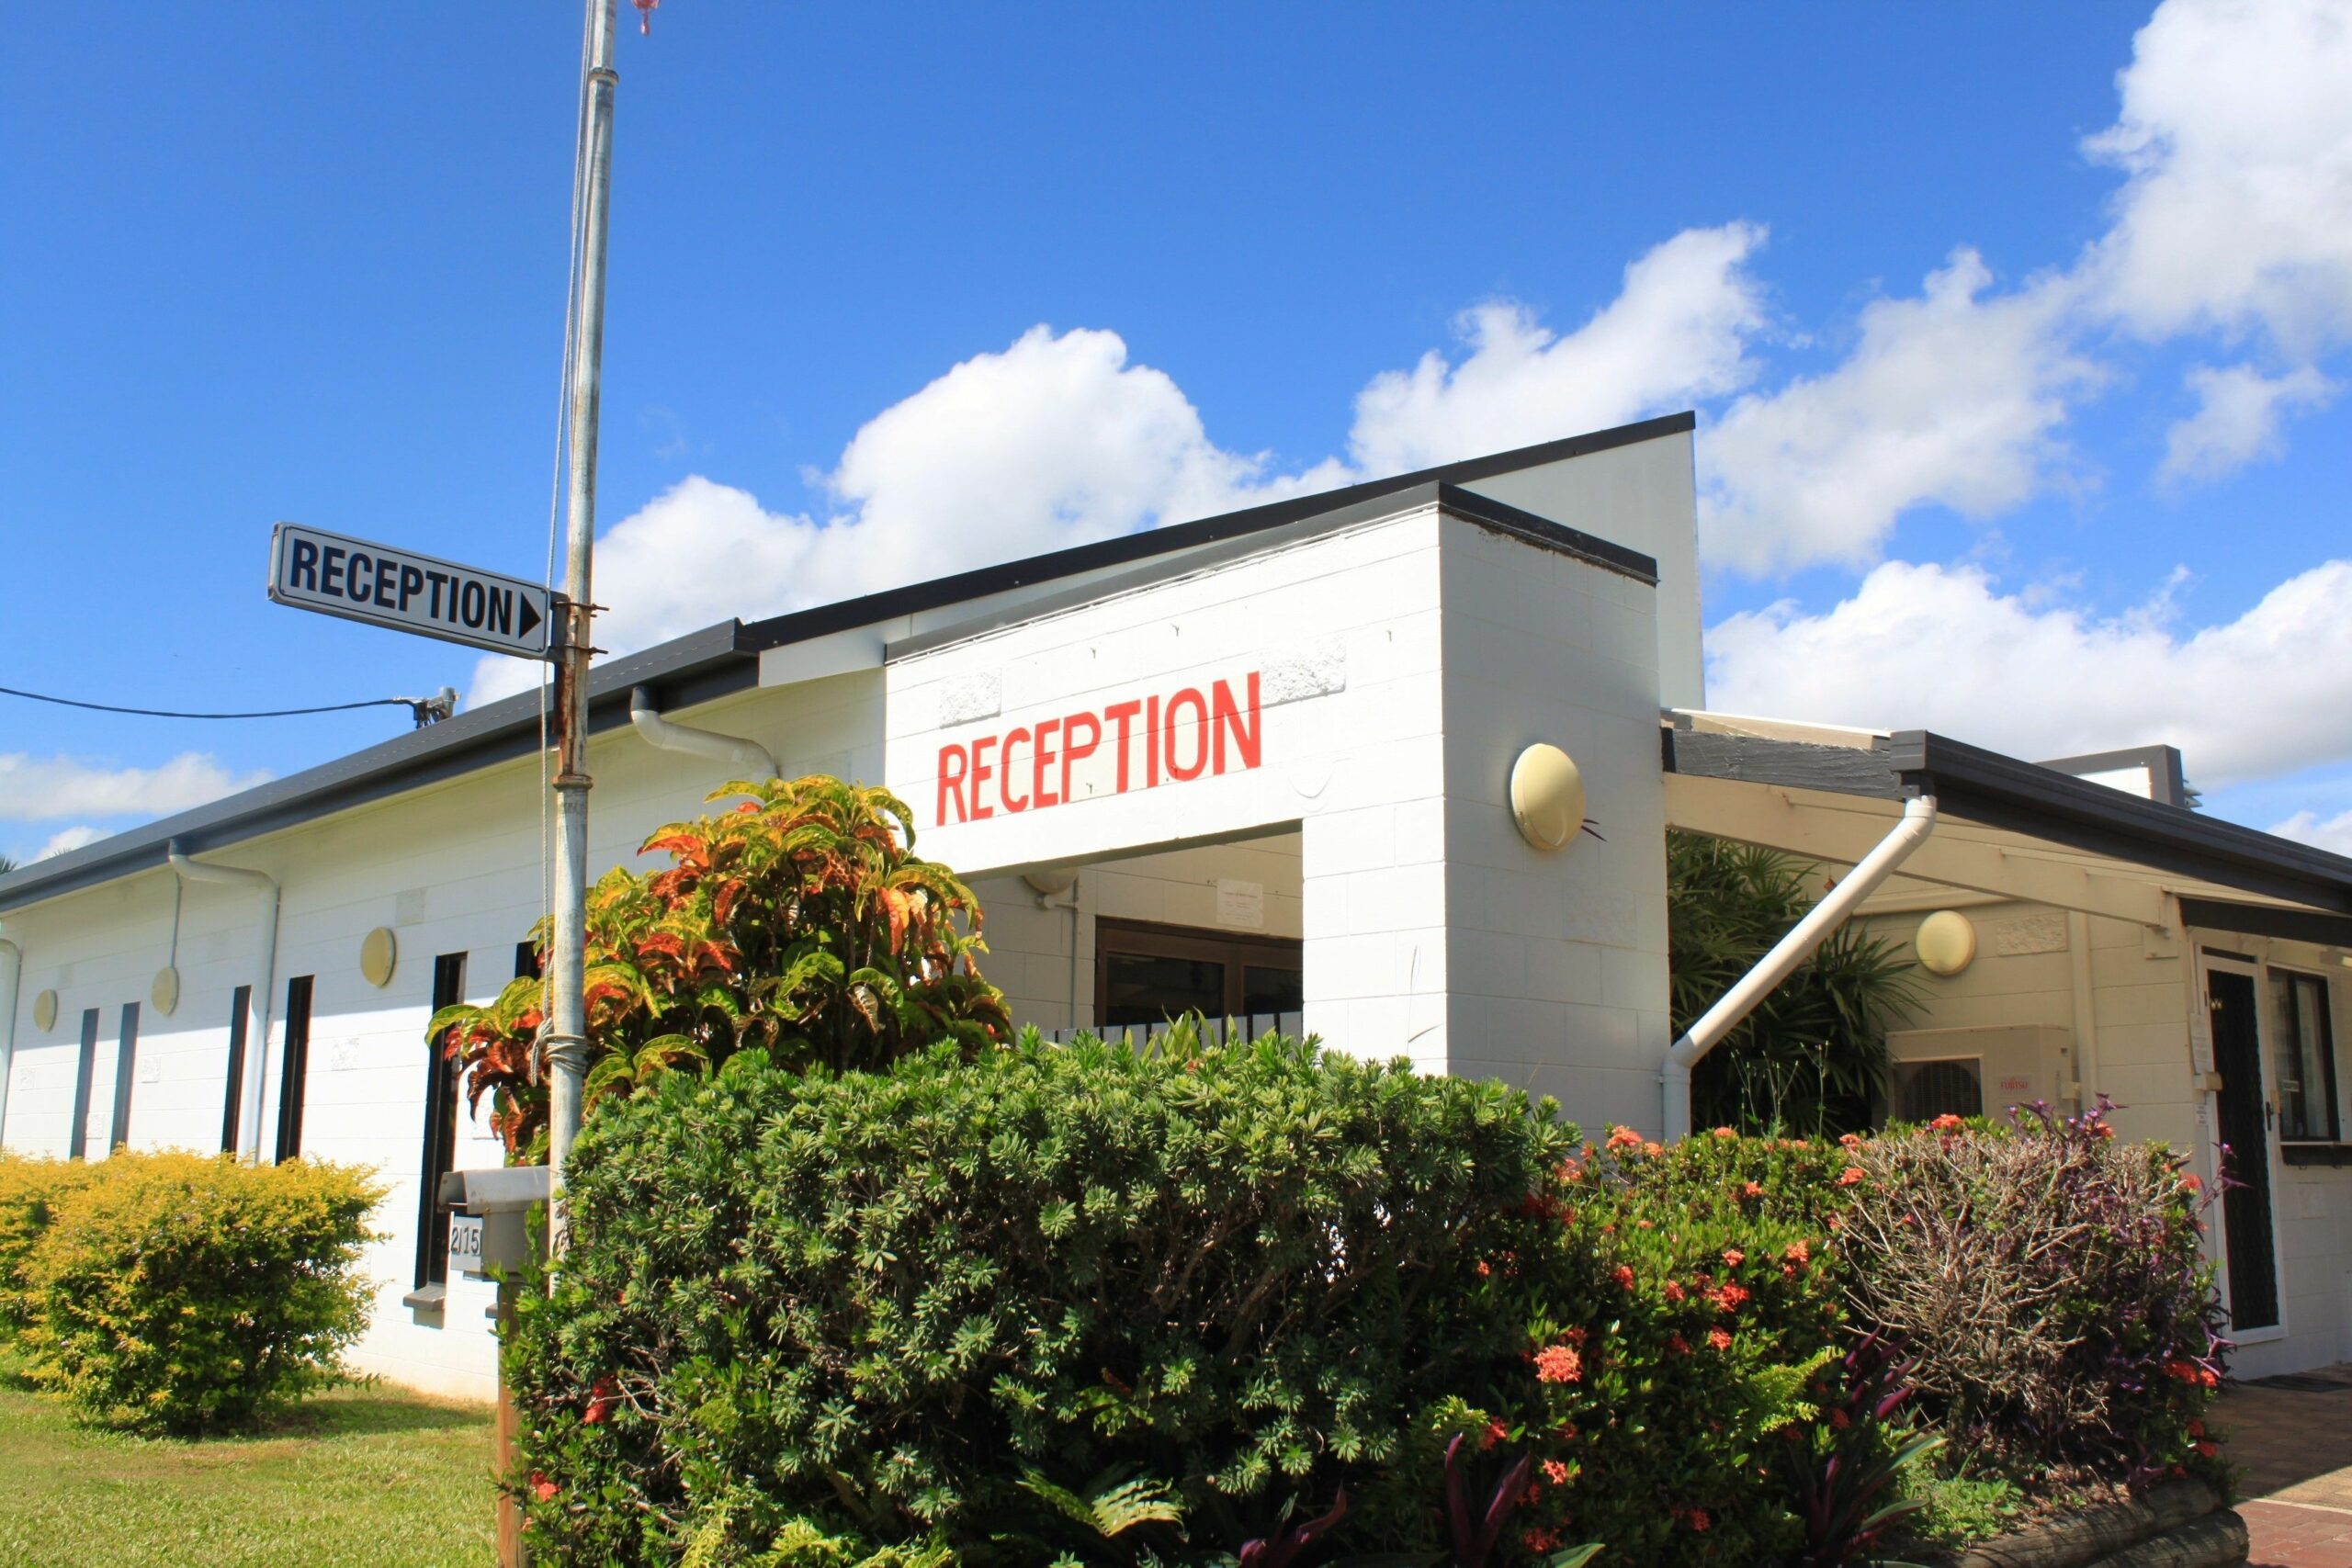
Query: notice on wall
1240, 904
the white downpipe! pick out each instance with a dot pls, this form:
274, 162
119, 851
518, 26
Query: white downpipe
265, 980
12, 970
1918, 821
660, 732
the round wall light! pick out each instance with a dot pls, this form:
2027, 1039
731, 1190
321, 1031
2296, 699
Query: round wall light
166, 992
1546, 796
1946, 943
45, 1011
378, 956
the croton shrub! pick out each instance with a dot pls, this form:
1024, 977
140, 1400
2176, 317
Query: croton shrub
799, 922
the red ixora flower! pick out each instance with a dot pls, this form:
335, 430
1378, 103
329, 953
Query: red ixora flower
1734, 1256
545, 1491
1730, 1298
1559, 1363
1946, 1123
1753, 1190
1719, 1338
1624, 1138
1674, 1290
1725, 1132
1556, 1472
1850, 1174
1798, 1252
600, 1401
1625, 1276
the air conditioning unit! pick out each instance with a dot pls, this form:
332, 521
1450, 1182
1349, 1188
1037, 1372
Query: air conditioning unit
1977, 1071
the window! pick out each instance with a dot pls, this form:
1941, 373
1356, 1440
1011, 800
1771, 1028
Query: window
440, 1130
77, 1137
294, 1069
1921, 1091
2305, 1063
239, 1009
125, 1059
1147, 974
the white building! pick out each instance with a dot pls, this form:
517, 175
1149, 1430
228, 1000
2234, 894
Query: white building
1261, 763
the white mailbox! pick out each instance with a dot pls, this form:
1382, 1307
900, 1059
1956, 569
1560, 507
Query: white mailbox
488, 1231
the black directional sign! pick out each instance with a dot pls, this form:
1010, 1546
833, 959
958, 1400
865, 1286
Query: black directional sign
386, 586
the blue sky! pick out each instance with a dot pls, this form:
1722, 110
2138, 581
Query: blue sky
2016, 334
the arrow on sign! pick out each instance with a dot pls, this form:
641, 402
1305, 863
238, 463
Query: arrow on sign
386, 586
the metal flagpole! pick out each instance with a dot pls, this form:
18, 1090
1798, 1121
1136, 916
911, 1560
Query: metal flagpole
567, 1040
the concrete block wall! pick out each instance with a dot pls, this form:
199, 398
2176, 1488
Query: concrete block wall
1556, 960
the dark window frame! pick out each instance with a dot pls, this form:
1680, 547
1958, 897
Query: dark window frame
437, 1155
233, 1103
126, 1065
2284, 982
86, 1067
1158, 938
294, 1067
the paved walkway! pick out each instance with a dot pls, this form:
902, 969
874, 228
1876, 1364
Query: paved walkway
2293, 1438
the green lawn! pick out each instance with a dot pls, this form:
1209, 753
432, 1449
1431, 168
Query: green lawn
366, 1478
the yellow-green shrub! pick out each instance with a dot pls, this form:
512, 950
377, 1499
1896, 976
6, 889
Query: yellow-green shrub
30, 1191
183, 1290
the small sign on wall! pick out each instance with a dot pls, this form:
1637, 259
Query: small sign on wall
1241, 903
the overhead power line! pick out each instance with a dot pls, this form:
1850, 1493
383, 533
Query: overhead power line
425, 710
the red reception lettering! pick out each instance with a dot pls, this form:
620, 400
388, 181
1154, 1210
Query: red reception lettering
982, 773
951, 780
1042, 752
1183, 735
1174, 727
1072, 752
1120, 714
1247, 744
1004, 770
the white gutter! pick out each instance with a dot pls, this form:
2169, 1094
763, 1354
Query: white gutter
660, 732
1918, 821
12, 969
264, 979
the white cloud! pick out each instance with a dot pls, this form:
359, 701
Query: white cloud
1953, 397
2331, 833
1677, 333
1053, 442
1940, 647
2237, 419
35, 789
72, 838
2235, 134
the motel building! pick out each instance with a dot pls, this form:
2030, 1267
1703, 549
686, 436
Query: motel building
1287, 765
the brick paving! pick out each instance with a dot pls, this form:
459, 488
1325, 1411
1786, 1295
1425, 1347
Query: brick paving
2294, 1445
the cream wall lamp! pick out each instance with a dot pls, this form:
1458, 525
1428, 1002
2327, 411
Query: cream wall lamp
1547, 796
379, 955
1946, 943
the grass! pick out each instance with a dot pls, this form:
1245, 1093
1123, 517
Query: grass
356, 1478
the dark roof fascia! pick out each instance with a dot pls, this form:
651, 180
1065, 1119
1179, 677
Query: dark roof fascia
2260, 920
1478, 510
1977, 785
693, 669
819, 621
2003, 791
1789, 764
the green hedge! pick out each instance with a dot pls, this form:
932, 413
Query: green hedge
1081, 1306
959, 1304
183, 1291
